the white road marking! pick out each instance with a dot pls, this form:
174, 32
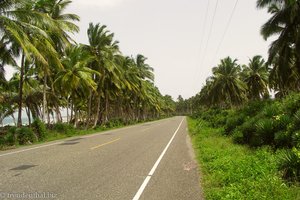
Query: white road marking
29, 149
60, 142
147, 179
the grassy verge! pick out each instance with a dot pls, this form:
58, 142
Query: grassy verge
232, 171
55, 132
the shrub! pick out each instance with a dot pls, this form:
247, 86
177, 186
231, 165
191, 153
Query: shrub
295, 139
253, 108
248, 130
237, 137
281, 121
25, 135
115, 123
271, 110
290, 164
291, 103
66, 129
233, 122
282, 139
11, 137
39, 128
2, 141
264, 131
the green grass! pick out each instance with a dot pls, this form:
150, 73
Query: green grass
232, 171
67, 131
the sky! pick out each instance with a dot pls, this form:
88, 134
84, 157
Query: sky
182, 42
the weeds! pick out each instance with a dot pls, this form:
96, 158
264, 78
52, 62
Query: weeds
232, 171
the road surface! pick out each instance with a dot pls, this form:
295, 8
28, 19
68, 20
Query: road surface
147, 161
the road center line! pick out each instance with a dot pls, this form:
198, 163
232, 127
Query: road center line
101, 145
147, 179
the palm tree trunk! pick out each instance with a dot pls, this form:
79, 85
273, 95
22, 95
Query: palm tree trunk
71, 118
14, 119
89, 110
106, 109
68, 103
44, 98
97, 112
75, 117
28, 116
21, 91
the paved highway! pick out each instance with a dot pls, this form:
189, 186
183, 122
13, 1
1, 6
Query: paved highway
146, 161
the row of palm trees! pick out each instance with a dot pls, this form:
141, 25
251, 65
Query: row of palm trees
95, 82
232, 84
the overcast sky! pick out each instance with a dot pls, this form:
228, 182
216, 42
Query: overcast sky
173, 35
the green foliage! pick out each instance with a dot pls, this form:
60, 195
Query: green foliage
231, 171
216, 116
11, 138
265, 131
290, 164
63, 128
234, 121
114, 123
25, 135
39, 128
275, 123
238, 137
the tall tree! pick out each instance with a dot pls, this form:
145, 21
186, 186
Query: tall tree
225, 86
284, 52
256, 76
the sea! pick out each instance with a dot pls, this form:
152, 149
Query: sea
9, 121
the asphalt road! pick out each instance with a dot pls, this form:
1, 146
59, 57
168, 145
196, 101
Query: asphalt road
147, 161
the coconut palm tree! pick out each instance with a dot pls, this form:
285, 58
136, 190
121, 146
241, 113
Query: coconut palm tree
103, 48
256, 76
225, 86
25, 31
284, 52
75, 81
63, 25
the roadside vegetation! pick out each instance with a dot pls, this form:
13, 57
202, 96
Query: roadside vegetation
94, 83
232, 171
245, 121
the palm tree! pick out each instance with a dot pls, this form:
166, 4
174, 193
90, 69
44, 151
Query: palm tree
103, 48
284, 52
25, 31
64, 24
75, 81
256, 76
225, 86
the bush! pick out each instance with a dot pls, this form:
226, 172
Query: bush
2, 141
39, 128
233, 122
282, 139
290, 164
66, 129
11, 137
291, 103
248, 130
25, 135
238, 137
271, 110
114, 123
252, 108
265, 131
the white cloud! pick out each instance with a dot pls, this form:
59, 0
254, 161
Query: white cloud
99, 3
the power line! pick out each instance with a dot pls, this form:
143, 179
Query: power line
211, 28
202, 39
204, 24
209, 35
225, 31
